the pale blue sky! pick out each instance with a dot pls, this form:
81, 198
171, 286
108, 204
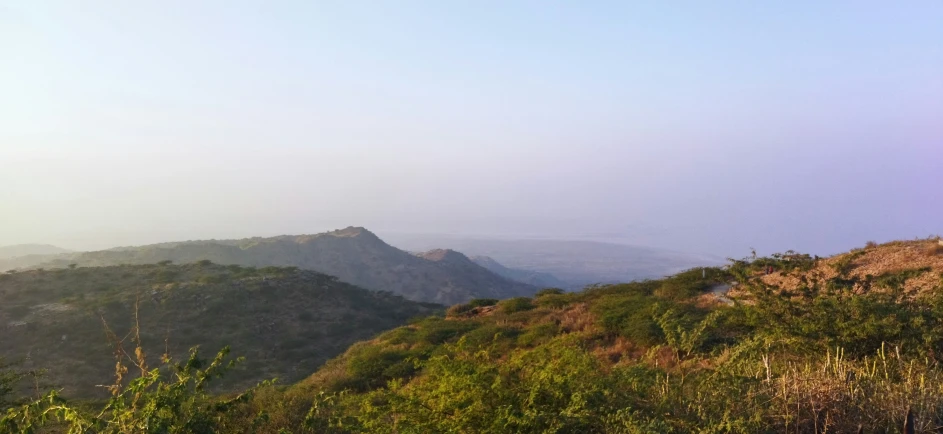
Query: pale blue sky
700, 126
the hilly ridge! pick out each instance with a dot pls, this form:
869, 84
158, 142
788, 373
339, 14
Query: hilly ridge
355, 255
285, 320
20, 250
800, 344
855, 336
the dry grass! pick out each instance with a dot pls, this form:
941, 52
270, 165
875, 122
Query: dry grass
892, 257
838, 395
619, 349
577, 318
935, 249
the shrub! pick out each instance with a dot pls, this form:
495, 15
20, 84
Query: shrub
677, 290
373, 366
516, 304
458, 309
484, 336
212, 279
436, 330
631, 317
538, 334
549, 291
481, 302
554, 301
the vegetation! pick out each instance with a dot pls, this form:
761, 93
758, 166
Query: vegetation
286, 321
823, 350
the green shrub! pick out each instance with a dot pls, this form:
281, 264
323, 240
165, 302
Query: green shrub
373, 366
554, 301
436, 330
488, 334
629, 316
679, 290
212, 279
458, 309
481, 302
538, 334
516, 304
549, 291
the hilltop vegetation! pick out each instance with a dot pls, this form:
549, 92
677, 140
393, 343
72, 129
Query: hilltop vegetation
353, 255
829, 354
286, 321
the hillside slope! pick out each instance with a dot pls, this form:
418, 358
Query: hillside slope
354, 255
286, 321
923, 259
660, 356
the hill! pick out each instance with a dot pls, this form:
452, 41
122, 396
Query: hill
833, 353
534, 278
836, 352
354, 255
578, 263
286, 321
7, 252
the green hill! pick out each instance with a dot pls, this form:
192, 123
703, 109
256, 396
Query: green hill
354, 255
286, 321
797, 344
838, 351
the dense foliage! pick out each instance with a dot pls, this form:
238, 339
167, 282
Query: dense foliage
834, 351
287, 322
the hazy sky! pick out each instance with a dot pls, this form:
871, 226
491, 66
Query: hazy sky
706, 126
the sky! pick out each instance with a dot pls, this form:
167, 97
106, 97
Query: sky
708, 127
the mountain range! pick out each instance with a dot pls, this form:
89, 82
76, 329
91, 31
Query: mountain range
20, 250
354, 255
573, 263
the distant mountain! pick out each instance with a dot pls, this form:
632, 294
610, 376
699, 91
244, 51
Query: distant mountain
286, 321
354, 255
18, 250
578, 263
535, 278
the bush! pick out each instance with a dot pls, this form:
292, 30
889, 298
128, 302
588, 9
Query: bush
554, 301
538, 334
458, 309
212, 279
436, 330
632, 317
549, 291
481, 302
488, 334
516, 304
373, 366
677, 290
